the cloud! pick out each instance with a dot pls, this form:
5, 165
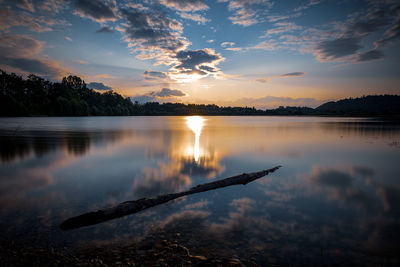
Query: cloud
286, 75
226, 44
83, 62
164, 95
354, 31
154, 75
165, 92
68, 38
24, 4
21, 53
195, 17
331, 177
282, 27
98, 86
275, 18
245, 13
308, 5
393, 33
35, 23
196, 62
197, 205
265, 45
143, 99
105, 29
185, 5
153, 36
242, 204
343, 183
353, 40
206, 166
374, 54
229, 46
335, 49
42, 67
19, 45
54, 6
293, 74
104, 76
233, 48
97, 10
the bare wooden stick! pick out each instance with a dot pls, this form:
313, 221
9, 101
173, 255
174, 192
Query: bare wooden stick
131, 207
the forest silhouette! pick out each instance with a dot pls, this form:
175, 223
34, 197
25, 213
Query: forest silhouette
35, 96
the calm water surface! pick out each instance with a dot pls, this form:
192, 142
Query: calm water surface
335, 200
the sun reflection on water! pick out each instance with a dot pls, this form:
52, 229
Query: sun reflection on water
195, 123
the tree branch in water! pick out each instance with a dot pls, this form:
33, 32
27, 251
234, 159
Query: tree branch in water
131, 207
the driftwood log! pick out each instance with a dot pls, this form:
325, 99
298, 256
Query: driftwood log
131, 207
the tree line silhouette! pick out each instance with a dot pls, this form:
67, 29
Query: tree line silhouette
36, 96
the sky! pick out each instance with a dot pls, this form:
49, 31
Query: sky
260, 53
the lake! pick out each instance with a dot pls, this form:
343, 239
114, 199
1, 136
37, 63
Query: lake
335, 201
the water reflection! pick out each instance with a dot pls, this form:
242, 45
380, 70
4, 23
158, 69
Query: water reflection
338, 189
195, 123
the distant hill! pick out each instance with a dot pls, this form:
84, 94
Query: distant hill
373, 105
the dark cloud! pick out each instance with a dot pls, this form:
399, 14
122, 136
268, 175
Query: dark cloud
293, 74
337, 48
369, 55
371, 22
185, 5
97, 10
192, 58
354, 31
208, 68
98, 86
21, 53
364, 27
343, 183
38, 66
331, 177
392, 33
165, 92
205, 166
154, 75
363, 171
105, 29
153, 35
286, 75
201, 62
13, 45
144, 99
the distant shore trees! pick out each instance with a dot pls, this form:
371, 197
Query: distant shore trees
35, 96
